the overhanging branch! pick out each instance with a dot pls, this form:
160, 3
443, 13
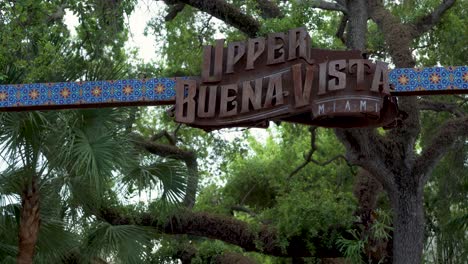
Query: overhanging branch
392, 30
405, 135
226, 12
425, 23
309, 159
367, 150
325, 5
449, 133
269, 9
173, 11
163, 150
440, 107
170, 138
240, 208
341, 29
264, 239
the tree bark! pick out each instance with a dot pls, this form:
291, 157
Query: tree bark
264, 239
357, 25
408, 222
29, 223
401, 185
233, 258
227, 12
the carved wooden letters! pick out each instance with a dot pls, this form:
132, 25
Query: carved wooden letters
281, 77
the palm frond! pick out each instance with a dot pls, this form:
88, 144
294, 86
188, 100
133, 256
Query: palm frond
9, 217
127, 243
166, 177
459, 222
54, 242
8, 260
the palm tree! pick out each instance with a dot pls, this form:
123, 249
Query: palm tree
60, 168
63, 167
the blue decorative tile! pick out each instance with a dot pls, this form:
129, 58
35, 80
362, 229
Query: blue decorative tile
429, 79
162, 90
76, 94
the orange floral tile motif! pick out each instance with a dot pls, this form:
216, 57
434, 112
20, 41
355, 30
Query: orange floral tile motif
435, 78
403, 80
3, 96
96, 91
465, 77
160, 88
65, 92
34, 94
127, 90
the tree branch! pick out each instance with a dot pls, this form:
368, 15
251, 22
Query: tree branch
325, 5
309, 158
440, 107
341, 29
248, 193
57, 15
269, 9
405, 135
392, 30
226, 12
425, 23
163, 150
448, 134
186, 253
367, 150
244, 209
172, 140
341, 2
264, 239
173, 11
233, 257
464, 99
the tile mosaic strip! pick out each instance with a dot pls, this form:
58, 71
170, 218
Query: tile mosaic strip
155, 91
435, 80
161, 91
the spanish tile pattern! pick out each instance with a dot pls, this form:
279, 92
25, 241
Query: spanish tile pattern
429, 80
160, 91
79, 94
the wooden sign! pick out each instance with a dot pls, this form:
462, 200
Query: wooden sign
279, 77
282, 77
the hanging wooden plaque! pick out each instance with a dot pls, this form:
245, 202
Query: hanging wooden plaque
281, 77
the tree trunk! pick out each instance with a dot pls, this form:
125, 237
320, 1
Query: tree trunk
357, 25
406, 193
29, 223
408, 222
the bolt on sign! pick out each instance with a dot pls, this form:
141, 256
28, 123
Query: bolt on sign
281, 77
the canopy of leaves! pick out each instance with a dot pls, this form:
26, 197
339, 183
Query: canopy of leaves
87, 159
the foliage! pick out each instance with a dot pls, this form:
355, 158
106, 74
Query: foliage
86, 159
355, 247
260, 182
76, 156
